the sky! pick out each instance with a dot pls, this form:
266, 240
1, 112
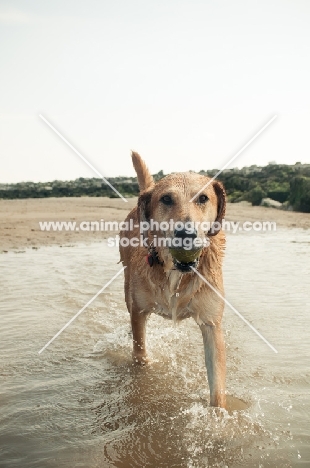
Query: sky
186, 83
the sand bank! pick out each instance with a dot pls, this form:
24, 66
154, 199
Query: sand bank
19, 219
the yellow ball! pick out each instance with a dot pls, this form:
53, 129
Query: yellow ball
185, 256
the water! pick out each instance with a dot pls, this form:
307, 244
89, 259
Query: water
81, 403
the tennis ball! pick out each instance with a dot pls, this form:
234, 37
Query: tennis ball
185, 256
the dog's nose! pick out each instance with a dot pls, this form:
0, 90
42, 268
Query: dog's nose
185, 233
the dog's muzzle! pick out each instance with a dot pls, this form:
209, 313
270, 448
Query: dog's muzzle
185, 267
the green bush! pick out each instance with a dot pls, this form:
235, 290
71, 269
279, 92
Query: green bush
279, 195
300, 194
255, 195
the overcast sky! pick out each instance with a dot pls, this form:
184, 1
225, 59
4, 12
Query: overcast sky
184, 83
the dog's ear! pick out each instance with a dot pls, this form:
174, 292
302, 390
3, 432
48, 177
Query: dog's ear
221, 207
145, 179
144, 205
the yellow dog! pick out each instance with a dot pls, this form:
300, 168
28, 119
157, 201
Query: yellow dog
161, 278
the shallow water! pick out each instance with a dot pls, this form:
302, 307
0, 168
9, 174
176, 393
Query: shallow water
81, 403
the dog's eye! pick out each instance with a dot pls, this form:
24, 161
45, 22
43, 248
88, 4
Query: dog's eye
167, 200
202, 199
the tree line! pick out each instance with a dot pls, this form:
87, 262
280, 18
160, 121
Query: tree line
287, 184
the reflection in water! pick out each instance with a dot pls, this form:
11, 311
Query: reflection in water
82, 402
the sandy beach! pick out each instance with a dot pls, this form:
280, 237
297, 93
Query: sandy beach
20, 229
19, 219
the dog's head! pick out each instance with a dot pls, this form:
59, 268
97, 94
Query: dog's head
182, 210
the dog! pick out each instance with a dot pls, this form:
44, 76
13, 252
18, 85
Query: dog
168, 279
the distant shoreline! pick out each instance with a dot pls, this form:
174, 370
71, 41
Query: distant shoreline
285, 185
19, 219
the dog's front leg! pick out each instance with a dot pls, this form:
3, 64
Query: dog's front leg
138, 325
214, 347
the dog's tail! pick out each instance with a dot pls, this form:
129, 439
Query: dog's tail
145, 179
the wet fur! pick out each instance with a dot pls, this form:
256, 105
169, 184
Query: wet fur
154, 289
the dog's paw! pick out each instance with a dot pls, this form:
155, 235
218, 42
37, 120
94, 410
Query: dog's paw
140, 360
